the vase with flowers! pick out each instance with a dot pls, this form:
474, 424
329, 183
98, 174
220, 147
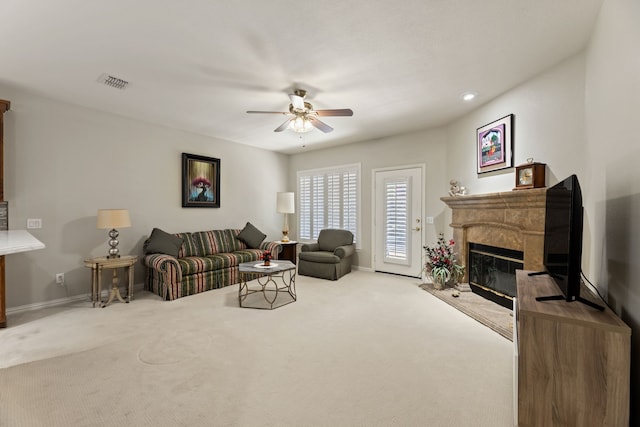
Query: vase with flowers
440, 262
266, 258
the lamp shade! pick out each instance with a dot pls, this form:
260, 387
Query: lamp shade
285, 203
113, 218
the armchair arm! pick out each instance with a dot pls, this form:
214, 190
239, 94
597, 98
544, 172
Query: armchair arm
310, 247
167, 270
344, 251
163, 263
274, 247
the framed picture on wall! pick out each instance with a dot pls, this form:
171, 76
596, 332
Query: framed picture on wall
494, 144
200, 181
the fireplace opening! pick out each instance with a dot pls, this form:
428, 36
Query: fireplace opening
492, 272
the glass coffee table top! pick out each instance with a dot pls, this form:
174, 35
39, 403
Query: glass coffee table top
258, 267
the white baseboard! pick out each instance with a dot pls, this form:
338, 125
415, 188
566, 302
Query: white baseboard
63, 301
105, 294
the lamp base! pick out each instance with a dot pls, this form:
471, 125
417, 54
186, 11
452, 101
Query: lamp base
114, 252
285, 236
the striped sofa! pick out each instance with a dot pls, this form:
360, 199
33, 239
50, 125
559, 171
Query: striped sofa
206, 260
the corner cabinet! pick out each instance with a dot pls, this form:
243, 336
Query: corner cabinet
571, 362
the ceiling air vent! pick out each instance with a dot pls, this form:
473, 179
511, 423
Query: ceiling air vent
112, 81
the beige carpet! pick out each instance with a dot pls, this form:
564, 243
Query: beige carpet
367, 350
490, 314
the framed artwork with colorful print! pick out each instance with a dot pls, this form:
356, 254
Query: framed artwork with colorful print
494, 143
200, 181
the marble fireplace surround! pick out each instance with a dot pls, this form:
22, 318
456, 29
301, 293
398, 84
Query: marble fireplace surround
511, 220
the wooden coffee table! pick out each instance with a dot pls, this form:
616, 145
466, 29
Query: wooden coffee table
276, 284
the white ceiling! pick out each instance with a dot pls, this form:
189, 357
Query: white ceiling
198, 65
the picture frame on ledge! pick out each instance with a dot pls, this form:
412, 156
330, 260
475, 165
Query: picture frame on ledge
494, 144
200, 181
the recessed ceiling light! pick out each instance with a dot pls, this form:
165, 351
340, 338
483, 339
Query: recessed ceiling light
468, 96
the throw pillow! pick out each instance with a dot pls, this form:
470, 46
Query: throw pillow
161, 242
251, 236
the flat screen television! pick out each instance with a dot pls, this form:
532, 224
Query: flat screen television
563, 230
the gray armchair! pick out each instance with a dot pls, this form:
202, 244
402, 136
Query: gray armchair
330, 258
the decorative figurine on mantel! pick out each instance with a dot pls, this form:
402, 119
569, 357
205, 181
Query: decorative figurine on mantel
456, 189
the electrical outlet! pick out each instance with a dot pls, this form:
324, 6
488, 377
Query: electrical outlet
34, 222
60, 278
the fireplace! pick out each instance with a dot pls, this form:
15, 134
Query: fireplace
492, 272
509, 221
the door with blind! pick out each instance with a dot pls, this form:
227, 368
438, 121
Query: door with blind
398, 221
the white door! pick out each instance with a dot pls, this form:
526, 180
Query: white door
398, 221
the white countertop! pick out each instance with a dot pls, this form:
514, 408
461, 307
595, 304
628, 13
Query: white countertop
14, 241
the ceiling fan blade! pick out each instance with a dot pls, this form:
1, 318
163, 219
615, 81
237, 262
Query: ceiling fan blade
297, 101
268, 112
337, 112
319, 125
283, 126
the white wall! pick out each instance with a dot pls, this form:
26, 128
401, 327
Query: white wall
63, 163
427, 148
613, 200
548, 126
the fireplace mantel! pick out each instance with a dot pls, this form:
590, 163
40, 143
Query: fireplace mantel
511, 220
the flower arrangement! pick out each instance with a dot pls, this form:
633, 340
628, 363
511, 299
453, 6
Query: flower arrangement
440, 262
266, 257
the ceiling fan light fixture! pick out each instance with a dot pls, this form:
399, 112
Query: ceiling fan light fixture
302, 117
301, 125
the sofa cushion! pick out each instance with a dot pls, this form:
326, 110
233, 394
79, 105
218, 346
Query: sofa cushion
206, 243
247, 255
194, 265
231, 239
189, 246
251, 236
319, 257
161, 242
226, 241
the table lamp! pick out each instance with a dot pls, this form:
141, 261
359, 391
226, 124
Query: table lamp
112, 219
285, 205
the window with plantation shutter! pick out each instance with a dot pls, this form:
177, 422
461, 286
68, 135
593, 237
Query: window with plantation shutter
304, 206
328, 198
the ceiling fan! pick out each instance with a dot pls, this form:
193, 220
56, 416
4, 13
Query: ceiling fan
303, 117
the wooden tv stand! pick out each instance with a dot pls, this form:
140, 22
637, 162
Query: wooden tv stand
572, 362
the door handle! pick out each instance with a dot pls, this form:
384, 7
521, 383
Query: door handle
416, 229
